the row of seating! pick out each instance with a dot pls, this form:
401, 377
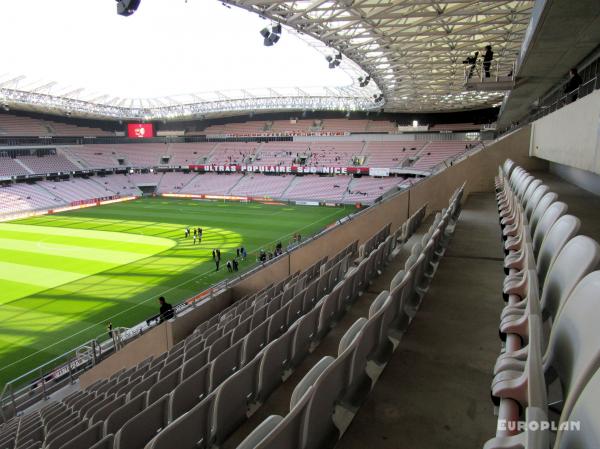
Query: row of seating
246, 390
325, 400
547, 377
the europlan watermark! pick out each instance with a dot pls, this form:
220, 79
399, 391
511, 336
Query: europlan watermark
535, 426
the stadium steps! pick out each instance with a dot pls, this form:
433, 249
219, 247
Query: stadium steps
233, 186
53, 194
211, 153
438, 378
294, 180
187, 183
71, 158
18, 161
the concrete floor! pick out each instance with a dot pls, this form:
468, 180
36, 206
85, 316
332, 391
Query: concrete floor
434, 392
583, 204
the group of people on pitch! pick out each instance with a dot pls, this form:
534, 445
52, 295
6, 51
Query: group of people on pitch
197, 234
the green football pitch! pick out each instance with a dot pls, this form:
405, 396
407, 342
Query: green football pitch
62, 277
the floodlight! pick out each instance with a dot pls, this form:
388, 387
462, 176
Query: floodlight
127, 7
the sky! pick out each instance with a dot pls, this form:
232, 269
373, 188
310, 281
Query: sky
167, 47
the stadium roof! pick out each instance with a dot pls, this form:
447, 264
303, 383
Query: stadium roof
412, 50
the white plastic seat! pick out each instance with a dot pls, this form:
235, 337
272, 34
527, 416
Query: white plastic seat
193, 389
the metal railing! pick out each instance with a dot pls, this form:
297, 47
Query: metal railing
567, 98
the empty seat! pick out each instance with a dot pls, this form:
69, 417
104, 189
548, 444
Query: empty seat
124, 413
305, 333
256, 340
104, 443
190, 392
219, 345
191, 430
144, 426
233, 399
275, 360
103, 412
87, 438
170, 367
164, 386
241, 330
276, 432
193, 364
278, 323
143, 386
58, 438
226, 364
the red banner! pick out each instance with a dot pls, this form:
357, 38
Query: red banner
280, 169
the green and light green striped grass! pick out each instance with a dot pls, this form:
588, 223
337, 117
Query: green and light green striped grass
62, 277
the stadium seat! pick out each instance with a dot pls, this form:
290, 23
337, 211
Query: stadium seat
141, 428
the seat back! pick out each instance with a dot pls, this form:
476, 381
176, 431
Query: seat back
86, 438
233, 399
189, 392
124, 413
276, 359
578, 257
540, 209
586, 414
191, 430
144, 426
563, 230
164, 386
573, 351
226, 364
553, 213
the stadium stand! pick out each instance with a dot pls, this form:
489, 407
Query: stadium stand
318, 188
212, 183
173, 182
12, 167
436, 152
25, 197
48, 164
11, 125
255, 184
91, 156
391, 154
75, 189
367, 189
233, 153
187, 154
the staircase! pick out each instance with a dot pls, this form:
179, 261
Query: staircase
67, 154
24, 166
294, 179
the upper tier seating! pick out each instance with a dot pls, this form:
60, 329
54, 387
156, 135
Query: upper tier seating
48, 164
11, 167
334, 154
391, 153
137, 154
12, 125
93, 156
232, 153
183, 154
436, 152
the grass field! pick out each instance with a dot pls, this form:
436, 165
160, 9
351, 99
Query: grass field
62, 277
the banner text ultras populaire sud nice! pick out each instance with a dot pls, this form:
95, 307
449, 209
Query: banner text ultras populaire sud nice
281, 169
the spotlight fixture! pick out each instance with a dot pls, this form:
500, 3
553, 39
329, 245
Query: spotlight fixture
364, 82
378, 98
127, 7
271, 36
334, 61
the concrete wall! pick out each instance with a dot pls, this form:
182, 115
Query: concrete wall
478, 170
571, 135
153, 343
585, 179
